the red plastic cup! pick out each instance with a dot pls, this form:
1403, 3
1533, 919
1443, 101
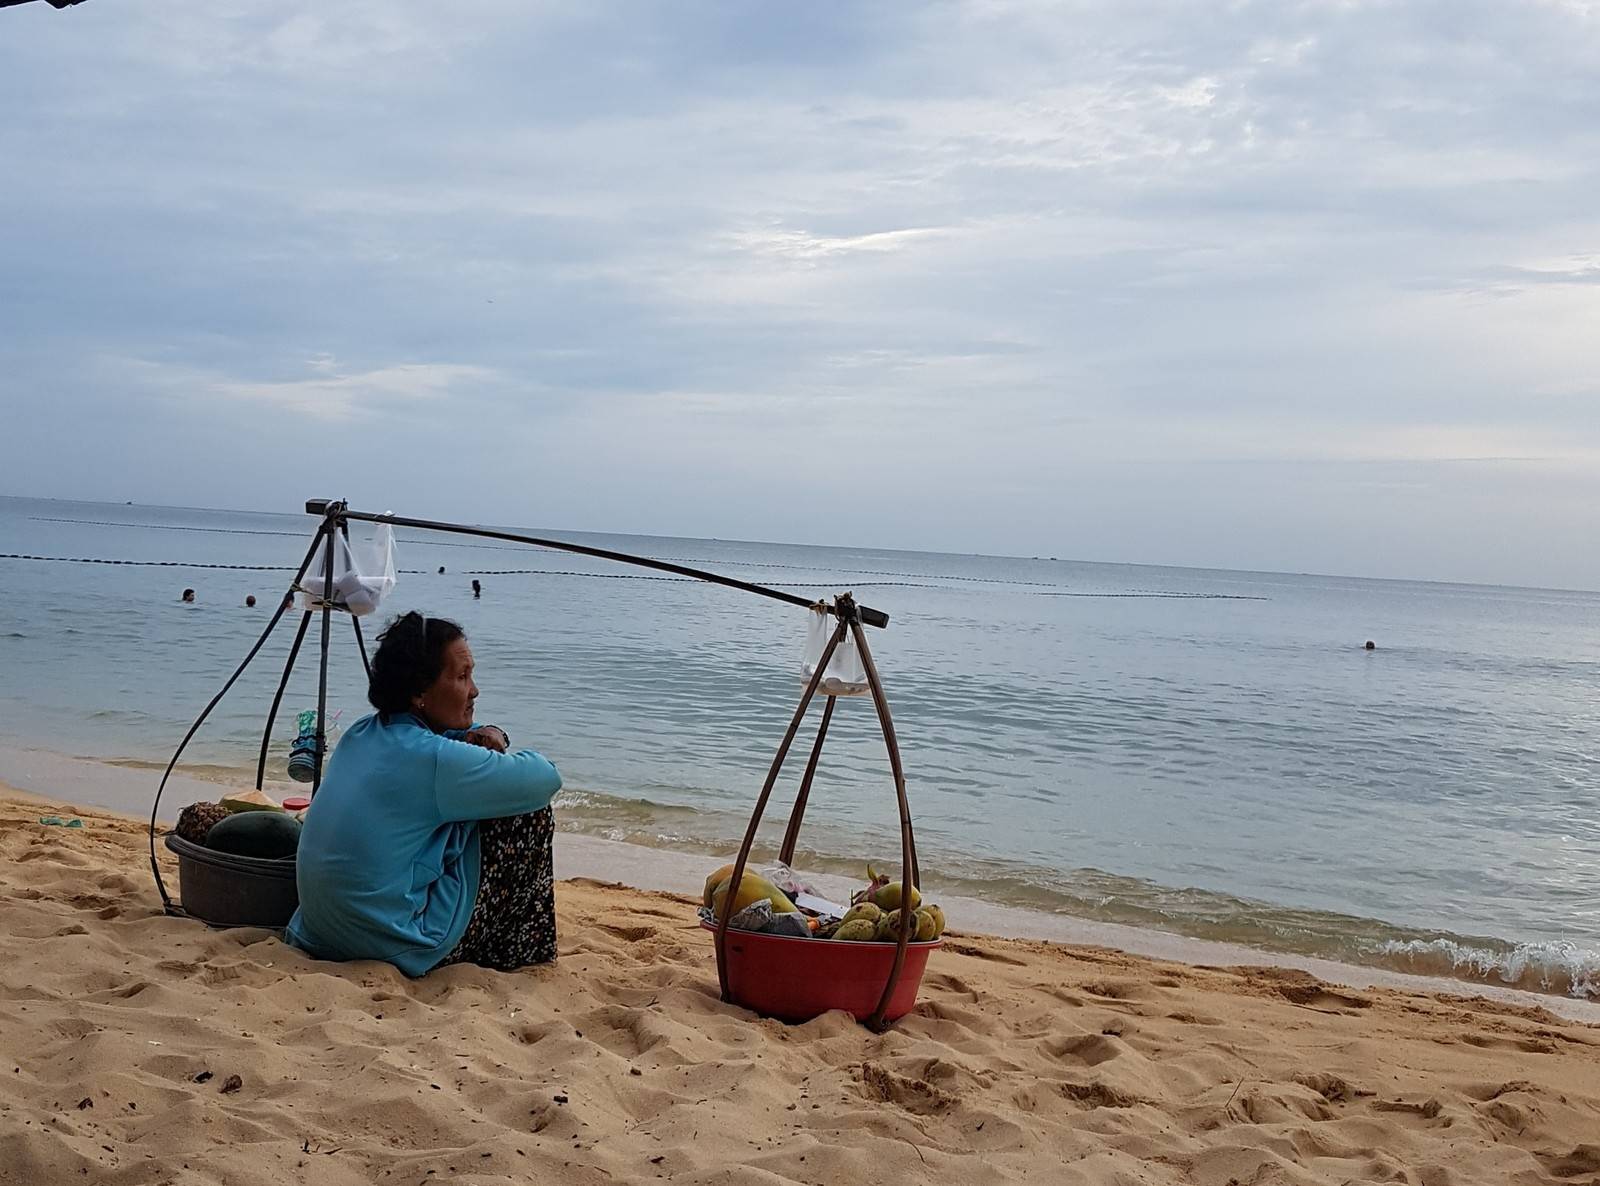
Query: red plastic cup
296, 803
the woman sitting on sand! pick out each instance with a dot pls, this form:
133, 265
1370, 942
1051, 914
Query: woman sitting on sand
428, 843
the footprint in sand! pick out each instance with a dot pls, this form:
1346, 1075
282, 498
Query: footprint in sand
633, 934
1526, 1045
1583, 1159
1428, 1109
1484, 1092
1087, 1050
917, 1096
980, 953
1100, 1095
1330, 1087
1117, 990
941, 982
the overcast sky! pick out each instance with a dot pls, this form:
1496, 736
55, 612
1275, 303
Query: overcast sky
1302, 286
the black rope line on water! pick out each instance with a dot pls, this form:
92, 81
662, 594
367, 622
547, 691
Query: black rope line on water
1166, 596
146, 563
624, 576
760, 564
177, 563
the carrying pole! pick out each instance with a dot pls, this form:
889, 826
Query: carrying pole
355, 622
155, 807
334, 509
727, 910
909, 873
322, 506
361, 645
792, 832
277, 699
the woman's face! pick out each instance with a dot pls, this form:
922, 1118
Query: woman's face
447, 704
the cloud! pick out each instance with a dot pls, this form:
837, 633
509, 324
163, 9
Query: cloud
331, 392
809, 249
335, 396
1082, 263
1577, 270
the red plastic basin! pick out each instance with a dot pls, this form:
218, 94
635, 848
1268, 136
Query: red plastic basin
798, 979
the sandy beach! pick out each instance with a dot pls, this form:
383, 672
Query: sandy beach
144, 1049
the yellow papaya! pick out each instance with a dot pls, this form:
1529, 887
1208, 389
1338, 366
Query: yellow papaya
715, 880
752, 888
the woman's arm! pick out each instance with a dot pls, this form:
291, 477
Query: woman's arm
489, 736
492, 736
475, 782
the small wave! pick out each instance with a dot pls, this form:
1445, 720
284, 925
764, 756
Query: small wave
1554, 967
227, 775
615, 807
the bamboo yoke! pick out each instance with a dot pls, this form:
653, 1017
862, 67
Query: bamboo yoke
336, 516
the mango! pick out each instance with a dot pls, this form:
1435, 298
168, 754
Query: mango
888, 897
857, 930
925, 928
938, 919
888, 930
864, 910
752, 888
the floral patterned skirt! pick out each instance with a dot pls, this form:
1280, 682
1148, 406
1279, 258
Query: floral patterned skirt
513, 922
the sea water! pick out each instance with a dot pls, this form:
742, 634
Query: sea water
1209, 753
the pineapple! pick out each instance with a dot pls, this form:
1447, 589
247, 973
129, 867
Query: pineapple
195, 820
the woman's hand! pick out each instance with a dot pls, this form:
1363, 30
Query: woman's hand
490, 737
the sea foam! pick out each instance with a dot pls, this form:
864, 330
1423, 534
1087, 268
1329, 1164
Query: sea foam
1553, 967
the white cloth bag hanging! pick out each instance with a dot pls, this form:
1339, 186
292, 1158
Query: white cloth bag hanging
845, 676
363, 573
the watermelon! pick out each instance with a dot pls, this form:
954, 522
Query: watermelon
266, 834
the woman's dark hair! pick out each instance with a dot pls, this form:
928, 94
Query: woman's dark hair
409, 657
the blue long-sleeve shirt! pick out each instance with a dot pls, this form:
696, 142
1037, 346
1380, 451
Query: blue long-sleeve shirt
388, 863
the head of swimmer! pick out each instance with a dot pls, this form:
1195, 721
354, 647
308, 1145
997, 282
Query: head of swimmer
424, 666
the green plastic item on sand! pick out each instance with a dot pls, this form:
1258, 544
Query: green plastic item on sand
57, 821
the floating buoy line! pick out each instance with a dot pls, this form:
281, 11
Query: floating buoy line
619, 576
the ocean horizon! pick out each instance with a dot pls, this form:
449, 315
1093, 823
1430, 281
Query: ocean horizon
574, 533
